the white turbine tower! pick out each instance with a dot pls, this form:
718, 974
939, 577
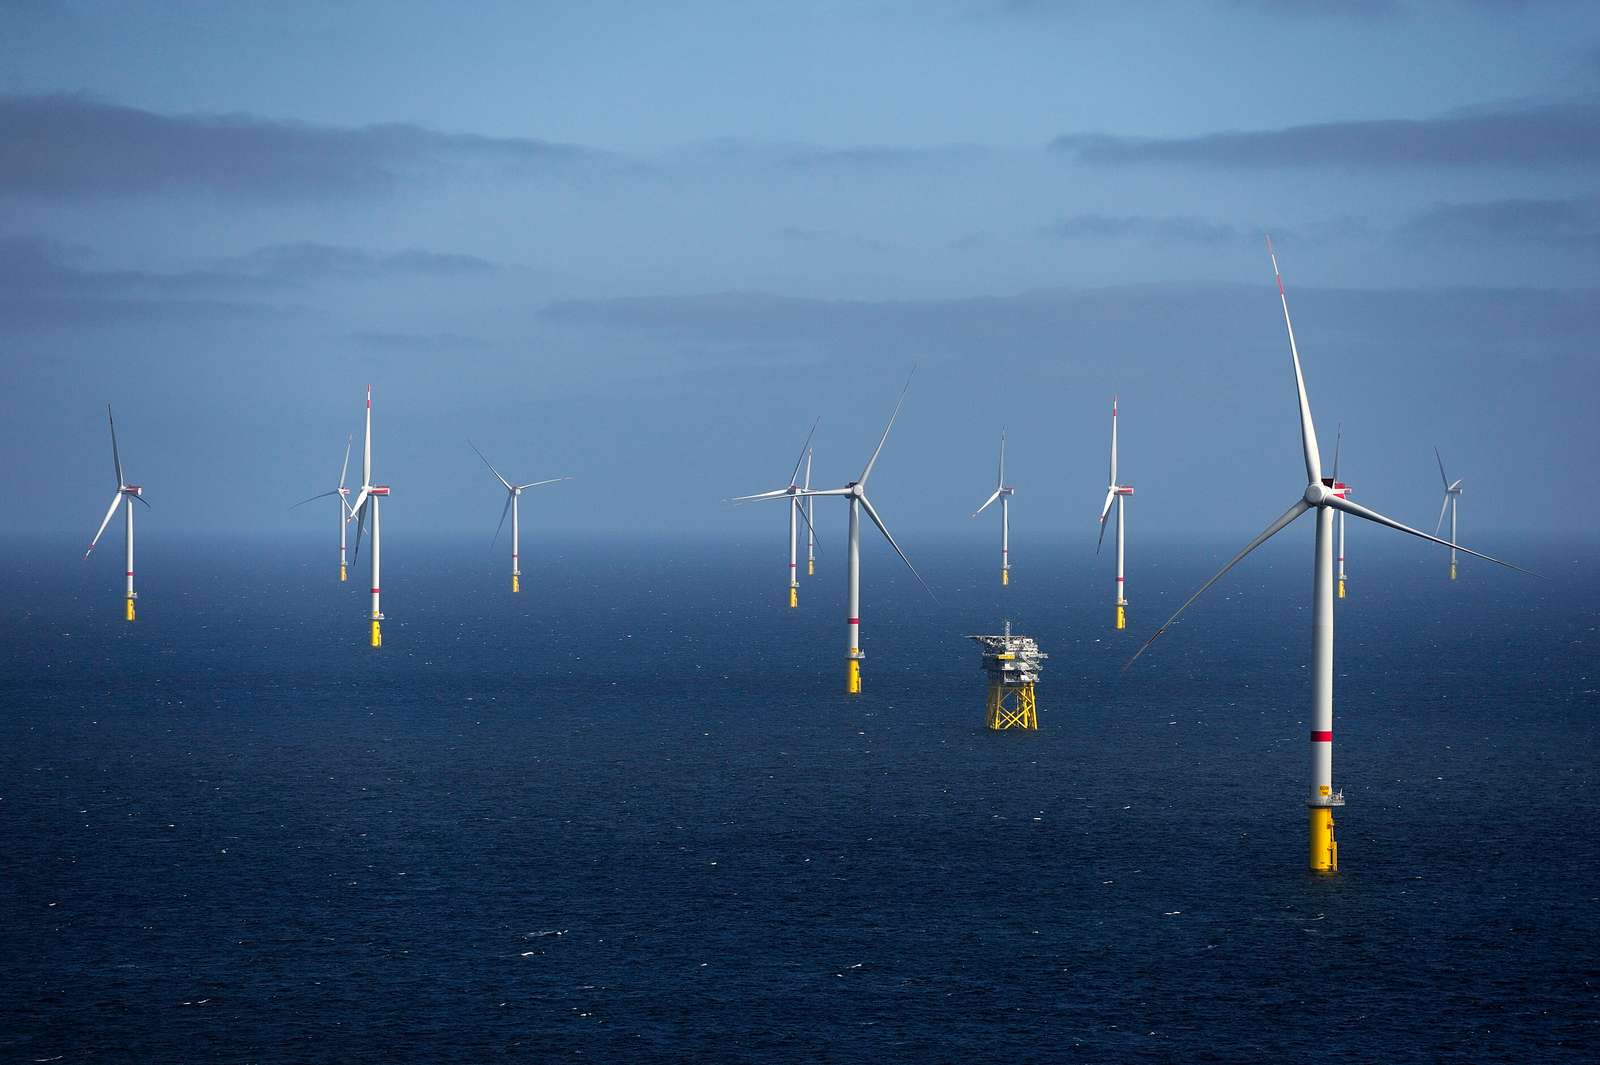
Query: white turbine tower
126, 494
856, 493
1003, 492
344, 508
1341, 490
797, 512
513, 495
1319, 495
1452, 492
811, 522
1116, 493
367, 504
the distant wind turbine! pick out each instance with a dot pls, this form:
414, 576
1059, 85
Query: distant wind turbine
1002, 492
1319, 495
856, 493
1452, 492
126, 494
794, 493
1116, 493
364, 511
344, 508
513, 495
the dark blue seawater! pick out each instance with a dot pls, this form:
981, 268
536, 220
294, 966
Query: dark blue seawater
629, 815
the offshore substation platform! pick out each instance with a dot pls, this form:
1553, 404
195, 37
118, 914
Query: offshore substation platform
1013, 664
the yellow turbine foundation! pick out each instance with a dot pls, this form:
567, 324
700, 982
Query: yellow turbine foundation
1122, 616
343, 576
1324, 849
1012, 707
1452, 571
1341, 587
794, 596
377, 633
129, 601
516, 583
811, 567
852, 676
1005, 576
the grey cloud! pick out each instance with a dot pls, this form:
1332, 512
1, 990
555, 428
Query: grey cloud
1553, 134
1555, 222
310, 261
1173, 229
72, 146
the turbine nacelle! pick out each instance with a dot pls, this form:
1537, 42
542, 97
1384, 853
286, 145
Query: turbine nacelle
132, 490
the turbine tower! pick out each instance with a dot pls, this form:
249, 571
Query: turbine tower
811, 522
1116, 493
856, 493
367, 504
797, 512
126, 494
1003, 493
513, 495
1341, 490
1319, 495
344, 508
1452, 492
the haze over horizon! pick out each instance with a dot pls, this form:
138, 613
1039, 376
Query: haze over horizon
646, 248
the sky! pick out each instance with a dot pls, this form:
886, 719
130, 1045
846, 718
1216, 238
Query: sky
647, 246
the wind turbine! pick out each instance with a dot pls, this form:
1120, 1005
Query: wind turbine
1319, 495
856, 493
1003, 493
344, 508
367, 504
1452, 492
1116, 493
513, 494
797, 512
126, 494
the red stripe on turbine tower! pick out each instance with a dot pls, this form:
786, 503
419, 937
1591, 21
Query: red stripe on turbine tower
852, 621
1322, 737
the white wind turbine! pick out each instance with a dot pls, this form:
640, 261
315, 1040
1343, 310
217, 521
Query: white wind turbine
513, 495
1116, 493
856, 493
797, 512
1003, 492
367, 504
344, 508
1452, 492
126, 494
1319, 495
811, 522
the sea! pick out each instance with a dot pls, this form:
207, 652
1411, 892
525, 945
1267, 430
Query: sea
629, 814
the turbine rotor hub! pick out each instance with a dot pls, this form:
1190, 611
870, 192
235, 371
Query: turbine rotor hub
1317, 493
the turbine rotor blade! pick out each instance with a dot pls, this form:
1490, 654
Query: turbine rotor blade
489, 464
1442, 508
804, 450
776, 493
873, 461
1308, 429
1000, 479
145, 501
1111, 495
343, 470
801, 508
110, 512
1113, 440
361, 501
115, 457
319, 495
807, 484
986, 503
873, 514
1440, 459
361, 525
1283, 522
1338, 443
1373, 516
503, 512
536, 484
